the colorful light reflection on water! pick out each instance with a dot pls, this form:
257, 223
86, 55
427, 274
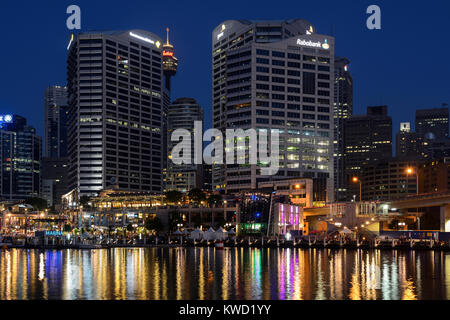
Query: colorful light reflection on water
235, 273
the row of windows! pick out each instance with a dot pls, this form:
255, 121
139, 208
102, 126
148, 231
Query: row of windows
290, 64
290, 115
289, 72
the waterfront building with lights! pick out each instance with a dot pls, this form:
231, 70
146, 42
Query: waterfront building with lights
275, 75
20, 154
115, 87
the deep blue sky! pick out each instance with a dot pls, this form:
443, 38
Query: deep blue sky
405, 65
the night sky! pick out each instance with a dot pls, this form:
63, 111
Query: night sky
405, 65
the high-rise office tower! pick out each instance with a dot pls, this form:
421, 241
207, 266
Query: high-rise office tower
275, 75
409, 145
367, 138
55, 110
20, 164
181, 115
432, 123
115, 112
343, 109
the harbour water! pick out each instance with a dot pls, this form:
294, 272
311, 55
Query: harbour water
234, 273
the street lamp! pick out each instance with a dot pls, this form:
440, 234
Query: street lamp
412, 171
356, 180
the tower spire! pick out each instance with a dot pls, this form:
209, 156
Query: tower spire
167, 30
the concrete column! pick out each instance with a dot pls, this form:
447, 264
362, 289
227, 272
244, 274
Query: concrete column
445, 218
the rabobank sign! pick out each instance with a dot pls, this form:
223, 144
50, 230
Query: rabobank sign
313, 44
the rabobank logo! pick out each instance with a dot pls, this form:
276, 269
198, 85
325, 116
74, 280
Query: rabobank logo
313, 44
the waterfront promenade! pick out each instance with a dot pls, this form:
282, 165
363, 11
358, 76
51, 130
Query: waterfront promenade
318, 242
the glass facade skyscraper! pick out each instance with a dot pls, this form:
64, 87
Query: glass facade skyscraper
55, 110
182, 114
343, 109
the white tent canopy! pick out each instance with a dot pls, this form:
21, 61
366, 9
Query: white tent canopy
232, 231
196, 234
221, 234
178, 232
209, 235
346, 230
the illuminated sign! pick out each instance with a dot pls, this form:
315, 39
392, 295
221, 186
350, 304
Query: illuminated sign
6, 118
221, 34
167, 54
53, 233
313, 44
145, 39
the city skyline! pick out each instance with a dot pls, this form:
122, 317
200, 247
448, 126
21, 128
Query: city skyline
348, 29
224, 154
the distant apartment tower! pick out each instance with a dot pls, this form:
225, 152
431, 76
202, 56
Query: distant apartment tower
343, 109
367, 138
275, 75
182, 114
115, 112
21, 152
432, 123
55, 110
409, 145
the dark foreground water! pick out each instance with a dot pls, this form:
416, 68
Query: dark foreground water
237, 273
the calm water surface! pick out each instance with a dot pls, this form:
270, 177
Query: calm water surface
236, 273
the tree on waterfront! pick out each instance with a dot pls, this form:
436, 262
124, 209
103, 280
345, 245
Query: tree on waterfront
153, 224
220, 222
130, 227
84, 201
197, 220
175, 218
197, 195
214, 199
393, 225
37, 203
173, 196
